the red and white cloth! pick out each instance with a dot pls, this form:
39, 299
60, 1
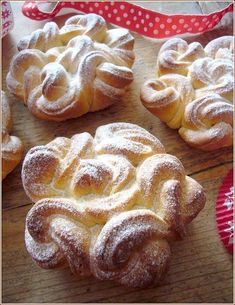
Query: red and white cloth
224, 212
7, 18
133, 17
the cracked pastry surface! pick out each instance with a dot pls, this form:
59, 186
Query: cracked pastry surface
108, 205
64, 73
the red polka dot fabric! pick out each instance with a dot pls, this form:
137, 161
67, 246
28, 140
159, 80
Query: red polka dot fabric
135, 18
224, 212
7, 18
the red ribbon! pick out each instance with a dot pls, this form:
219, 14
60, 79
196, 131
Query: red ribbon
135, 18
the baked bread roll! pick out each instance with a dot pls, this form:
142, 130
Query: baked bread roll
200, 103
12, 147
176, 55
108, 205
65, 73
208, 123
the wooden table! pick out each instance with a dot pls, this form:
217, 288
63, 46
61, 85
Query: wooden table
201, 270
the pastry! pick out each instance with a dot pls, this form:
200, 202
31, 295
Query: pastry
167, 96
194, 95
65, 73
108, 205
208, 123
12, 147
176, 55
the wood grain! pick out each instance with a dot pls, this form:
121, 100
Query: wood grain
201, 270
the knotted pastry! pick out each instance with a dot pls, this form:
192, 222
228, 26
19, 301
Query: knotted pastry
176, 55
212, 76
107, 205
63, 74
167, 96
209, 77
221, 47
12, 148
208, 123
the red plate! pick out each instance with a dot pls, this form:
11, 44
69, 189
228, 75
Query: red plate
224, 212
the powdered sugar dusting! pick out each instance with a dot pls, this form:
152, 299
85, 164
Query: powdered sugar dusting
98, 211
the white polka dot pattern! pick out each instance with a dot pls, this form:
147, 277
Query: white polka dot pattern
135, 18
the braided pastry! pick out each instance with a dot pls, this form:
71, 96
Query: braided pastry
176, 55
63, 74
107, 205
221, 47
12, 148
174, 98
212, 76
167, 96
208, 123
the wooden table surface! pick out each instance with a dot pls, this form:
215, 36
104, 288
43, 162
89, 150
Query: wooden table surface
201, 270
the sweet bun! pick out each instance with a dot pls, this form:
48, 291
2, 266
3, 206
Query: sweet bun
193, 91
108, 205
12, 147
65, 73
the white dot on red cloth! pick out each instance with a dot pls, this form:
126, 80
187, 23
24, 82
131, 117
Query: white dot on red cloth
167, 32
82, 5
106, 7
155, 31
145, 29
118, 19
193, 19
125, 15
174, 27
178, 31
137, 25
139, 13
115, 11
189, 29
147, 16
132, 11
162, 26
169, 20
91, 9
157, 19
150, 24
196, 24
134, 18
200, 29
128, 22
109, 15
186, 25
181, 21
122, 7
204, 19
100, 12
96, 4
214, 17
142, 21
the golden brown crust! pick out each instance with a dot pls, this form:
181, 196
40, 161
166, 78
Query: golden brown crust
190, 75
12, 147
65, 73
108, 204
